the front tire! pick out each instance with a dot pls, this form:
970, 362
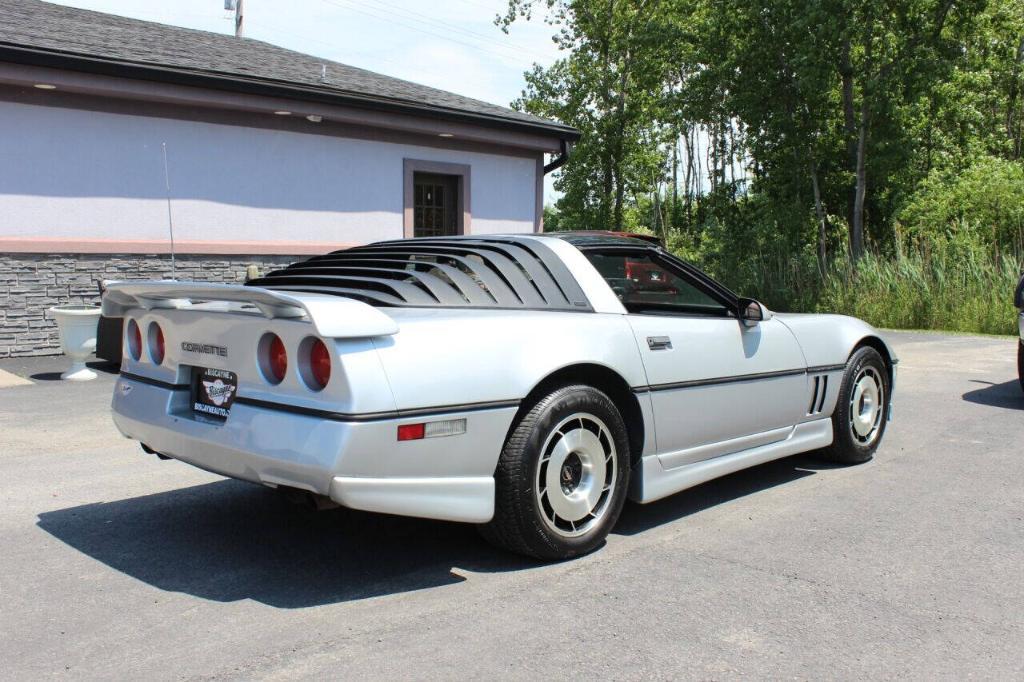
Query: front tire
562, 476
860, 415
1020, 363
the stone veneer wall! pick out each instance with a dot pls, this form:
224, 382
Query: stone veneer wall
31, 283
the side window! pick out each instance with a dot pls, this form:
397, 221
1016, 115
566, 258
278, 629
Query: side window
646, 286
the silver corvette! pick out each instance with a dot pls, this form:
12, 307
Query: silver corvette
528, 384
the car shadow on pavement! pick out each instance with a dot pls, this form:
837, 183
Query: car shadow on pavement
229, 540
638, 518
1007, 394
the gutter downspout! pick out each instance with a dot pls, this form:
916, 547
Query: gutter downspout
559, 160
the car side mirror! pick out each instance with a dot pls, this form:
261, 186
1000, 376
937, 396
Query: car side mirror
750, 312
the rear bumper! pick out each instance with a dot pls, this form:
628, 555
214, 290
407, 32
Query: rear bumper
359, 464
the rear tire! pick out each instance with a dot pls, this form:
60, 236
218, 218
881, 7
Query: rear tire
861, 412
562, 476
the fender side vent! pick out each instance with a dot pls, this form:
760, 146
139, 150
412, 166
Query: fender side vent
818, 393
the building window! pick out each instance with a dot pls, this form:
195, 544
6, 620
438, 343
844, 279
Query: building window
435, 205
436, 199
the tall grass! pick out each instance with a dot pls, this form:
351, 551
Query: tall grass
948, 290
943, 285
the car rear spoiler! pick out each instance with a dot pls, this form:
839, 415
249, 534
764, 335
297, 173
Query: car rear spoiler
333, 316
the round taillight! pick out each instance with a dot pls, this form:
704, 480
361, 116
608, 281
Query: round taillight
156, 343
273, 358
278, 359
133, 337
319, 364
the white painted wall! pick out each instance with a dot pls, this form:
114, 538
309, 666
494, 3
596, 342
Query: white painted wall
74, 174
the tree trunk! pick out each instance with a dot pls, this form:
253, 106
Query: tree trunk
849, 123
689, 174
659, 225
849, 118
712, 162
620, 133
1013, 128
607, 189
823, 225
675, 177
857, 226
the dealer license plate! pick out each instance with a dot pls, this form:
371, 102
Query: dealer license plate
213, 391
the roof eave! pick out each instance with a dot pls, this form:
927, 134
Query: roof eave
34, 56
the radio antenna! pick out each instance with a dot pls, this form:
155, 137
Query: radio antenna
170, 218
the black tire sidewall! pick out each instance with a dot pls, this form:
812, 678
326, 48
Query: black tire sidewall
845, 445
1020, 363
553, 409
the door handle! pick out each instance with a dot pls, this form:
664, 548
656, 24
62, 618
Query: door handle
659, 343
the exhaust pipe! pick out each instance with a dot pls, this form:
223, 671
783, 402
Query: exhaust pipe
306, 499
150, 451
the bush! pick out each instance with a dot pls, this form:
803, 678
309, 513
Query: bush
987, 199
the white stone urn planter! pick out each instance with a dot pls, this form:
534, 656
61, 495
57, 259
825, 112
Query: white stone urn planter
77, 325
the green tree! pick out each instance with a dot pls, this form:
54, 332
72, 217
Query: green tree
608, 86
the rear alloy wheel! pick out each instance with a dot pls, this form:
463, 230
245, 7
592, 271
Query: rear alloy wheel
859, 418
562, 476
576, 475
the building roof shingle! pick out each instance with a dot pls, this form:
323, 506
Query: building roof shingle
98, 37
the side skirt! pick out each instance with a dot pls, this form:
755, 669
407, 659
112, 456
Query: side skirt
651, 481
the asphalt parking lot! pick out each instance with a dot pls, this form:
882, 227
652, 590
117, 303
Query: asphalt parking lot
116, 565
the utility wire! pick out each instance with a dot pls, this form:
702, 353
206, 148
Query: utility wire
392, 20
369, 55
419, 16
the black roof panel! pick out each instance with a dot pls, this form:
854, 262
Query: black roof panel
583, 239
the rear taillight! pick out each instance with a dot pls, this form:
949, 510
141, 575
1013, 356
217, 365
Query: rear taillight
319, 364
273, 358
133, 337
156, 343
278, 359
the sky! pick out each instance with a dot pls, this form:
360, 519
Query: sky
448, 44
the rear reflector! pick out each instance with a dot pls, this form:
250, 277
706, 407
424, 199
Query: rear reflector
410, 431
447, 427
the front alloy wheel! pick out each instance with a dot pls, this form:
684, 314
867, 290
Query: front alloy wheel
859, 418
866, 407
1020, 363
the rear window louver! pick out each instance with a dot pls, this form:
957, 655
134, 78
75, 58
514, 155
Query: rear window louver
499, 272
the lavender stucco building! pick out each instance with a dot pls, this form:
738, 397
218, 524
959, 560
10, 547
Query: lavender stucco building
271, 155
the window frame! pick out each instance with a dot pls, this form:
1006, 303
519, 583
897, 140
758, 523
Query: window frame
681, 269
462, 173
